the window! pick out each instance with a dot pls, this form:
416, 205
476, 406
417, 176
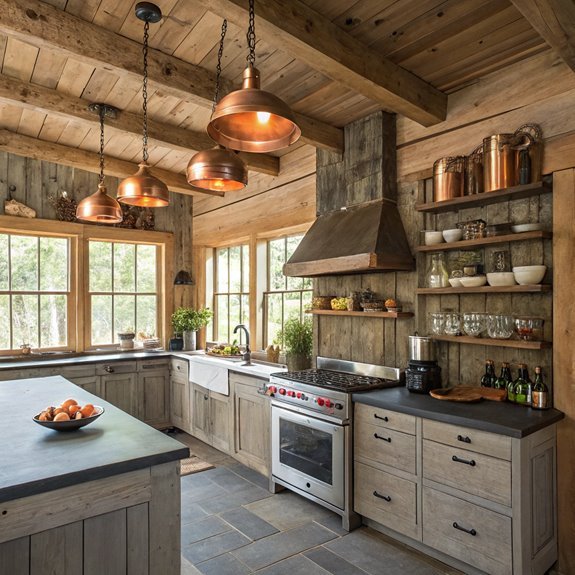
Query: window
285, 297
34, 291
123, 290
231, 294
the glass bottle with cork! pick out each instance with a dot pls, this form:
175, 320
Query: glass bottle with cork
488, 379
522, 389
504, 378
540, 395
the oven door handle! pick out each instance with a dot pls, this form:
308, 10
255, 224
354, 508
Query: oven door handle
311, 419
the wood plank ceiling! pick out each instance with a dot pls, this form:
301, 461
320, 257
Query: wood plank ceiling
436, 46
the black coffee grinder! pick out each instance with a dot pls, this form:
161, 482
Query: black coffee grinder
422, 373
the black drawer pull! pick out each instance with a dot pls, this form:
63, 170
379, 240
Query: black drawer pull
379, 417
459, 460
386, 497
465, 439
470, 531
388, 439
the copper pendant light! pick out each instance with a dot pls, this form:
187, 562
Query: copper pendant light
144, 189
100, 207
250, 119
217, 169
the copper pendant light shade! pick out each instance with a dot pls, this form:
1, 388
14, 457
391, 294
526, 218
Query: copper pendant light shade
253, 120
217, 169
99, 208
143, 189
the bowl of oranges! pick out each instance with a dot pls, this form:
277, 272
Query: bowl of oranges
68, 416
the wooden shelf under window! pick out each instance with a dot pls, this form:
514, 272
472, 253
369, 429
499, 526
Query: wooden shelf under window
465, 244
538, 288
517, 343
380, 314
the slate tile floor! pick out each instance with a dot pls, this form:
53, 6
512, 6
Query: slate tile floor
231, 525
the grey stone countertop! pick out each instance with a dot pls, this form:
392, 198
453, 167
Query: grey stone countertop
35, 459
499, 417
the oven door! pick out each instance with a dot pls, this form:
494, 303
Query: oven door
309, 453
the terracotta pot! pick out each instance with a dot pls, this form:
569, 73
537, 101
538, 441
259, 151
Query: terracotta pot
297, 361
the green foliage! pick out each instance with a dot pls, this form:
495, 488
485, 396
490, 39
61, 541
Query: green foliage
190, 319
296, 336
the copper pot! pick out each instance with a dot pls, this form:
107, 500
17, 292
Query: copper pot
499, 162
448, 178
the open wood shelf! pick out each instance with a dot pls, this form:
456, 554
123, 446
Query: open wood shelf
486, 198
463, 244
384, 314
539, 288
517, 343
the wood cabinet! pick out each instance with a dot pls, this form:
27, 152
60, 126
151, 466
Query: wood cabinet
252, 422
180, 396
121, 390
154, 391
482, 502
212, 418
82, 375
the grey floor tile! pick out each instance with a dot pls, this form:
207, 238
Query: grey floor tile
249, 474
203, 492
282, 545
214, 546
369, 551
188, 568
202, 529
248, 523
223, 565
286, 510
229, 480
332, 522
332, 563
243, 496
297, 565
191, 512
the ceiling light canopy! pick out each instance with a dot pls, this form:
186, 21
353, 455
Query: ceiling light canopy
100, 207
143, 189
251, 119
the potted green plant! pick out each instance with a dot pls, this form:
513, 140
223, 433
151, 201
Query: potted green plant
296, 339
186, 321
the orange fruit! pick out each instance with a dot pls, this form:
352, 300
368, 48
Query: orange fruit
59, 410
43, 416
87, 410
69, 402
74, 409
62, 417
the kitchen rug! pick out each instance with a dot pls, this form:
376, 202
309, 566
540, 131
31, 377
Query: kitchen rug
193, 464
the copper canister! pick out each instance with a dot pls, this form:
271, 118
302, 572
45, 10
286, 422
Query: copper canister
474, 172
499, 161
448, 178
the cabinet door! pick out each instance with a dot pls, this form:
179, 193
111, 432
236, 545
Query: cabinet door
121, 390
89, 383
252, 426
153, 392
221, 421
201, 413
180, 395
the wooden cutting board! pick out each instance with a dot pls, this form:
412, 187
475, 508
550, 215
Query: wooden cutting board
468, 394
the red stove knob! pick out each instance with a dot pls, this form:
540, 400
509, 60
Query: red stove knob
299, 394
291, 393
272, 388
328, 403
338, 406
282, 391
320, 401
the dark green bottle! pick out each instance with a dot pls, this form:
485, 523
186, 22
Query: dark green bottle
511, 386
488, 379
523, 387
505, 377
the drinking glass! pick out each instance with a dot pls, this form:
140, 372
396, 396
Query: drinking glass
452, 324
499, 326
437, 322
529, 328
474, 324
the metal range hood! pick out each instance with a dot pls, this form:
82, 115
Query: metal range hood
359, 239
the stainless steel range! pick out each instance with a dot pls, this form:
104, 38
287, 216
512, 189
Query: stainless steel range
312, 433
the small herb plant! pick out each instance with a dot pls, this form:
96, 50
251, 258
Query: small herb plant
296, 336
190, 319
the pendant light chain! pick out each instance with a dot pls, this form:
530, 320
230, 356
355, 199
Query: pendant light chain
145, 93
219, 66
102, 113
251, 37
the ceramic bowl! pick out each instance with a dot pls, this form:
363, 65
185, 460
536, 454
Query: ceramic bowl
455, 282
453, 235
72, 424
474, 281
519, 228
529, 275
433, 237
501, 279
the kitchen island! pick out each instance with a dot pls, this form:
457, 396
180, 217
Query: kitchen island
101, 499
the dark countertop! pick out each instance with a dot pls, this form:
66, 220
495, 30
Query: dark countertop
35, 459
499, 417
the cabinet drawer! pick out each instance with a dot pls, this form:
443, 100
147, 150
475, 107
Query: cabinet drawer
75, 371
246, 379
152, 364
471, 472
466, 438
390, 419
115, 367
385, 446
387, 499
179, 367
488, 548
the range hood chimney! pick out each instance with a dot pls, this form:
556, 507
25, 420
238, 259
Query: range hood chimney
359, 229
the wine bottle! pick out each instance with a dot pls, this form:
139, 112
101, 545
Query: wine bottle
522, 387
504, 378
488, 379
540, 394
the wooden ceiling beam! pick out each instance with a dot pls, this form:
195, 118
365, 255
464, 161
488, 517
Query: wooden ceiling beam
48, 101
295, 28
57, 153
554, 21
45, 26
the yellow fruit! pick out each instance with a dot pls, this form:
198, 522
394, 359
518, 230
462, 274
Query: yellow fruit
62, 417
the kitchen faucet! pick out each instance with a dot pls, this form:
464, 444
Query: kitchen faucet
248, 353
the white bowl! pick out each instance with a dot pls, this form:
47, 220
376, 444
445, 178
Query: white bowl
453, 235
474, 281
501, 279
526, 228
455, 282
529, 275
432, 237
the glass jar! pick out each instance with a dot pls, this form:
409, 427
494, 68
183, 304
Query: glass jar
452, 324
474, 324
499, 326
436, 322
437, 276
